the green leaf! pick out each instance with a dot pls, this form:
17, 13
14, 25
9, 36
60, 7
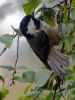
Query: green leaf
72, 85
30, 6
60, 27
69, 72
73, 92
3, 93
73, 57
49, 17
7, 40
73, 3
66, 28
48, 96
16, 77
58, 97
73, 68
28, 76
32, 93
22, 67
49, 1
2, 78
73, 14
17, 31
7, 67
65, 15
50, 21
42, 77
27, 88
25, 98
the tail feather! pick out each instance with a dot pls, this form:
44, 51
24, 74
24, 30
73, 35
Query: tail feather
58, 62
63, 61
62, 56
55, 66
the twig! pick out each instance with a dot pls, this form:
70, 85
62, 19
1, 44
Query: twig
69, 9
53, 98
58, 84
73, 47
55, 5
16, 61
37, 95
17, 52
61, 90
61, 93
63, 46
63, 96
4, 49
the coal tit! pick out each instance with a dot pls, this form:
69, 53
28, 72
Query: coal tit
42, 40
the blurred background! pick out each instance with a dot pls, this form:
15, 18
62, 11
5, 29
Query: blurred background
11, 13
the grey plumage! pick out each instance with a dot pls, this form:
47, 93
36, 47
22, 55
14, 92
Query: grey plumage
58, 62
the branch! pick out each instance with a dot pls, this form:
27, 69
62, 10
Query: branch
63, 46
55, 5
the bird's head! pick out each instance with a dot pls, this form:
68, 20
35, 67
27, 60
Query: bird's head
29, 25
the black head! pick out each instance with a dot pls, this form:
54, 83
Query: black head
28, 25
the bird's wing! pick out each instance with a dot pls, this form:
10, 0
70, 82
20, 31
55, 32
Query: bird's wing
40, 45
50, 57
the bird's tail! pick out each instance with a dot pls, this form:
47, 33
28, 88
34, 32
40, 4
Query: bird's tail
58, 61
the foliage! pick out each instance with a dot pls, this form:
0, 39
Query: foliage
43, 84
30, 6
3, 93
7, 40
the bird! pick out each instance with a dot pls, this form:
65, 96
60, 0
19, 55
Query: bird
42, 39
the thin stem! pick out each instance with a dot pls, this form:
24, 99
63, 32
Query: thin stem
4, 49
53, 98
63, 46
69, 9
61, 90
73, 47
63, 96
16, 60
17, 52
37, 95
62, 93
54, 95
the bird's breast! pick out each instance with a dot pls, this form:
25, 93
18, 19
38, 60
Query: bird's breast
40, 45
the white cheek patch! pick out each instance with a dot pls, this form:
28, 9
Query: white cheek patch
32, 28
